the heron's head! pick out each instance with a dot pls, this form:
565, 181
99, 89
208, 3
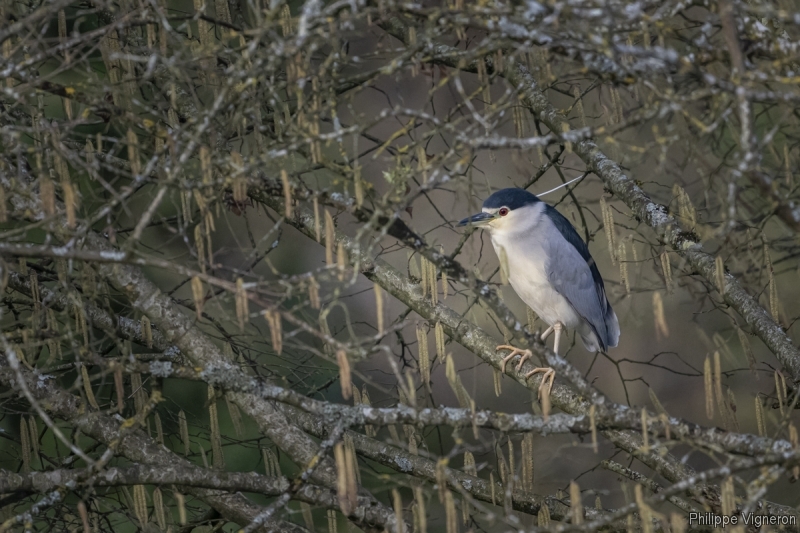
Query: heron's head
505, 211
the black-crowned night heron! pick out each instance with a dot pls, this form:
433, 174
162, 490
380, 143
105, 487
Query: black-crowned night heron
551, 269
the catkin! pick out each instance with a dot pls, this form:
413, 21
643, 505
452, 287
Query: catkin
576, 506
728, 497
329, 238
450, 507
677, 523
368, 428
455, 383
140, 504
424, 358
397, 505
33, 430
748, 350
344, 374
608, 225
760, 420
662, 329
184, 431
308, 518
345, 480
158, 508
216, 436
287, 194
87, 388
358, 185
181, 501
623, 267
236, 416
423, 268
25, 445
543, 517
242, 304
317, 223
719, 272
133, 152
198, 296
645, 432
666, 268
379, 308
420, 517
273, 317
708, 388
780, 391
313, 293
199, 243
527, 462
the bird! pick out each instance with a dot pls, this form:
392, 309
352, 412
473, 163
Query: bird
549, 266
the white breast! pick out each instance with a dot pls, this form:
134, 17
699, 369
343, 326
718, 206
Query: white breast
527, 272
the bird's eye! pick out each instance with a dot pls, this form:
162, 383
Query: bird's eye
503, 211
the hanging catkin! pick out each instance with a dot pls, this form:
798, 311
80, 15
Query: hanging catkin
236, 416
719, 273
420, 516
87, 387
708, 387
199, 243
379, 307
666, 268
25, 445
440, 345
608, 225
455, 383
158, 509
273, 317
623, 267
527, 462
662, 329
313, 293
345, 480
344, 373
424, 358
576, 506
773, 287
329, 238
184, 431
242, 304
198, 296
760, 420
140, 504
368, 428
748, 350
133, 152
216, 436
33, 430
147, 330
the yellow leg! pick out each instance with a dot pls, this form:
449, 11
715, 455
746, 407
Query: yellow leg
526, 354
544, 387
557, 327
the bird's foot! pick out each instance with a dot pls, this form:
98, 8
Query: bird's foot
526, 354
544, 387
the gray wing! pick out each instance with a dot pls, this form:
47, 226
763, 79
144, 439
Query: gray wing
572, 271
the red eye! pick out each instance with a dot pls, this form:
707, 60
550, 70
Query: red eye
503, 211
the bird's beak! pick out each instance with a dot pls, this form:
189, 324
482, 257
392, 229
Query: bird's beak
478, 220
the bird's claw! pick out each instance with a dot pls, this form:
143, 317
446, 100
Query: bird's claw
526, 354
544, 387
